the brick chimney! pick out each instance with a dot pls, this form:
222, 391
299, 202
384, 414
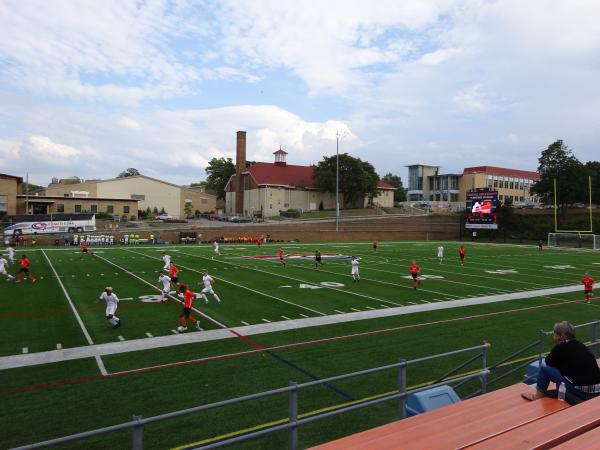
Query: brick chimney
240, 166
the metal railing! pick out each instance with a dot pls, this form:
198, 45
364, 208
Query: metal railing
594, 346
294, 421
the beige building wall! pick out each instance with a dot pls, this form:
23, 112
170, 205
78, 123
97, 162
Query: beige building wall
519, 192
151, 193
9, 188
198, 201
62, 190
274, 199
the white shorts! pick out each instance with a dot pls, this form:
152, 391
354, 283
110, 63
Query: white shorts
111, 308
440, 255
354, 271
166, 289
208, 290
167, 266
3, 270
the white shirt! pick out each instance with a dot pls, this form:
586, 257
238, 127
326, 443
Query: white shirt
207, 280
215, 245
166, 259
354, 265
112, 298
3, 262
165, 280
11, 252
440, 250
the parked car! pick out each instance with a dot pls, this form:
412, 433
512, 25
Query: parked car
164, 216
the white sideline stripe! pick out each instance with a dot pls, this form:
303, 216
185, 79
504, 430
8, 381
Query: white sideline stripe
25, 350
99, 361
238, 285
32, 359
149, 335
121, 338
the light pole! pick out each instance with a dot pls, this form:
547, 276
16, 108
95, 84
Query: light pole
337, 181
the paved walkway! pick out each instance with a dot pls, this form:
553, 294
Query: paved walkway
68, 354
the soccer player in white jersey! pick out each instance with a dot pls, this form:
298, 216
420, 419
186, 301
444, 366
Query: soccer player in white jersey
167, 260
216, 248
112, 302
207, 280
440, 254
11, 254
3, 264
355, 275
165, 280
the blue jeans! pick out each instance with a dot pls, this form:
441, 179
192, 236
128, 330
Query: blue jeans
547, 373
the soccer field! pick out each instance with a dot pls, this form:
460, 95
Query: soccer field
65, 370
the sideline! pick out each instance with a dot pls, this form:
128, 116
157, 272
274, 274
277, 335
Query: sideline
32, 359
77, 317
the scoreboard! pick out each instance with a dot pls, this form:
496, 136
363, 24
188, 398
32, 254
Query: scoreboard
481, 210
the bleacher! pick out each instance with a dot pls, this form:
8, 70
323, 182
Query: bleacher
500, 420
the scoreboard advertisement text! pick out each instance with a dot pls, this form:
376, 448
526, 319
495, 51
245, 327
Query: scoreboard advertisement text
481, 210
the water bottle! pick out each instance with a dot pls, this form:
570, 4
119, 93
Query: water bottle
562, 389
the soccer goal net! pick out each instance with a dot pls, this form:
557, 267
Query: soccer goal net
574, 240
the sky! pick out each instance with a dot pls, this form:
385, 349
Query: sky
90, 88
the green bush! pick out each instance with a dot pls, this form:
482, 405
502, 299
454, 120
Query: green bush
291, 213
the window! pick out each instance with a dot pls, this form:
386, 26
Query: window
60, 207
511, 185
65, 195
495, 183
126, 209
110, 209
94, 209
77, 208
3, 203
138, 197
506, 184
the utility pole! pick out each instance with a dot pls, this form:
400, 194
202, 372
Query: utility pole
337, 181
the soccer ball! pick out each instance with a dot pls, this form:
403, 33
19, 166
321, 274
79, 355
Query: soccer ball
180, 329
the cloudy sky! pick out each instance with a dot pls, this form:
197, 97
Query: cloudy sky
89, 87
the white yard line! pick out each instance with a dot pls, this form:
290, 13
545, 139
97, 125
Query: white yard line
237, 285
99, 361
121, 338
206, 316
277, 274
245, 323
266, 320
149, 335
25, 350
58, 346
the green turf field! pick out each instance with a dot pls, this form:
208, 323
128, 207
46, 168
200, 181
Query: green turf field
59, 311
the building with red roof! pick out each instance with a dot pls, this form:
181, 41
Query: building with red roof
265, 189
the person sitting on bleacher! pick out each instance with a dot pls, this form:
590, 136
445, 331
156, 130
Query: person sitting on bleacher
569, 362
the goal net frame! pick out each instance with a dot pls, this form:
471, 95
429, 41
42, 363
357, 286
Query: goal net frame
574, 240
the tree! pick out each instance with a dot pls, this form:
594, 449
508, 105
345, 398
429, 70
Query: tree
219, 172
396, 181
30, 188
558, 163
593, 170
357, 178
506, 215
129, 173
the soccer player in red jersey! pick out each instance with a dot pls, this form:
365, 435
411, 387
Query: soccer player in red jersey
461, 254
24, 262
588, 286
173, 271
414, 271
374, 246
281, 256
188, 300
84, 249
